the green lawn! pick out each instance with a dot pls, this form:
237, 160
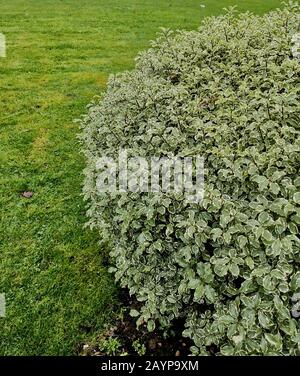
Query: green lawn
59, 55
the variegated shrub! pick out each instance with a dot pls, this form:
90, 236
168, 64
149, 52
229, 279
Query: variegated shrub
229, 266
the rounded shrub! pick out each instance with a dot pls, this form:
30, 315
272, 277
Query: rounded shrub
228, 266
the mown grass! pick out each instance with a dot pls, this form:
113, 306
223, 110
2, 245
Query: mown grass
59, 55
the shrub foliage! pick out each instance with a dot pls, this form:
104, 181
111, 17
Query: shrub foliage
229, 266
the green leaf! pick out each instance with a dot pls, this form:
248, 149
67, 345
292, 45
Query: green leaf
238, 339
262, 182
234, 269
274, 188
199, 293
221, 269
264, 217
242, 240
267, 236
227, 350
293, 228
283, 287
194, 283
273, 339
263, 320
134, 313
216, 233
249, 262
296, 198
296, 218
276, 247
268, 283
171, 299
210, 294
190, 231
150, 325
248, 286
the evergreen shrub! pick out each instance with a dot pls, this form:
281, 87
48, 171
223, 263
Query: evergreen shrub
228, 266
